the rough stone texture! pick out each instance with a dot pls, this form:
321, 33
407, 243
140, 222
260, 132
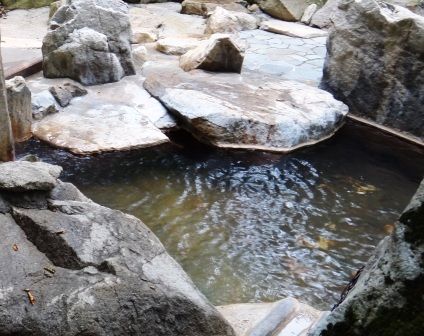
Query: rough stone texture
90, 270
388, 297
140, 54
232, 111
144, 36
54, 6
223, 21
66, 92
323, 17
204, 7
89, 41
19, 106
100, 128
6, 138
292, 29
309, 13
176, 46
26, 4
43, 104
24, 175
219, 53
375, 64
288, 10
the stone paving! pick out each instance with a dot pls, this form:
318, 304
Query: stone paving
289, 57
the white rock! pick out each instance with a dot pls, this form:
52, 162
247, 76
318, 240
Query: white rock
288, 10
292, 29
220, 53
43, 104
140, 54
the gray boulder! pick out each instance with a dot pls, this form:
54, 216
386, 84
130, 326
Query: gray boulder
43, 104
74, 267
64, 93
287, 10
220, 53
387, 298
231, 111
89, 41
19, 105
375, 57
24, 176
323, 17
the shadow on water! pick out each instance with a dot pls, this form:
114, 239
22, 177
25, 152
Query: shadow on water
253, 226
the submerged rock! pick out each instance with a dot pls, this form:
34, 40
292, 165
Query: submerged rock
19, 106
387, 299
382, 81
65, 92
233, 111
220, 53
224, 21
89, 41
287, 10
77, 268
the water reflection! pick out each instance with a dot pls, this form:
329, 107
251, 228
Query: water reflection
254, 226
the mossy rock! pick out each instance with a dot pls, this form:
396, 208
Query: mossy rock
25, 4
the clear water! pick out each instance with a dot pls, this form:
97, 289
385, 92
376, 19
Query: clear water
251, 227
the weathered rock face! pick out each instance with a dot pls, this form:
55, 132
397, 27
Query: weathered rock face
219, 53
374, 64
309, 13
43, 104
26, 4
388, 296
203, 7
288, 10
77, 268
176, 46
224, 21
323, 17
232, 111
89, 41
65, 92
19, 105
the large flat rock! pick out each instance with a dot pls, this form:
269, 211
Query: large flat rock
233, 111
111, 117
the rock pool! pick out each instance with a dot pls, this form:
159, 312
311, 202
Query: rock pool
251, 227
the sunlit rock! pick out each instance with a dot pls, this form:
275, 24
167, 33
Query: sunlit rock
288, 10
204, 7
291, 29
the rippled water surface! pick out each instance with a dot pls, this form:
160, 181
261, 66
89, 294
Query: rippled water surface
253, 227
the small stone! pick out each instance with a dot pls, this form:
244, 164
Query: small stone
64, 93
43, 104
223, 21
140, 54
219, 53
144, 37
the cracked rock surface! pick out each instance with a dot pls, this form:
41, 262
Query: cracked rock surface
72, 267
